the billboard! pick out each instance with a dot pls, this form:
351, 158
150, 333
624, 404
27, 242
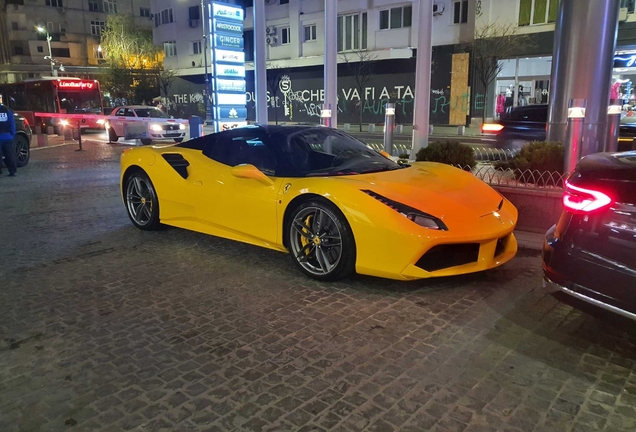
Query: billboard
228, 59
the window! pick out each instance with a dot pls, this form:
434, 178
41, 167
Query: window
196, 47
157, 20
40, 49
18, 50
248, 37
284, 1
352, 32
533, 12
110, 6
243, 147
285, 36
194, 12
460, 12
61, 52
170, 48
396, 17
54, 3
14, 25
310, 32
144, 12
166, 17
50, 27
62, 28
97, 27
95, 6
97, 53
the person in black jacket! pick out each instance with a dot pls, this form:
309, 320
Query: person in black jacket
7, 134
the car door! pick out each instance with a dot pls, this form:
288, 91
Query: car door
245, 208
118, 124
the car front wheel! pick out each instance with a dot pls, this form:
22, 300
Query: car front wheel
112, 135
142, 204
22, 150
321, 242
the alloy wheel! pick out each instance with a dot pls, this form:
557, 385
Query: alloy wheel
316, 241
140, 197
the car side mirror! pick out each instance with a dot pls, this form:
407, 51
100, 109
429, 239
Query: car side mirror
248, 171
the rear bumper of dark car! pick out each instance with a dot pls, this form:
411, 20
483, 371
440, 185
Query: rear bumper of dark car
559, 269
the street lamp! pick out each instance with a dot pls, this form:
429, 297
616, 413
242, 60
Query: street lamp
41, 29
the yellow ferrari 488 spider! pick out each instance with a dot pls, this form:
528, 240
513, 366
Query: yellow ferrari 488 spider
336, 205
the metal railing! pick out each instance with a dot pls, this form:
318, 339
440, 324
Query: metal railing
530, 179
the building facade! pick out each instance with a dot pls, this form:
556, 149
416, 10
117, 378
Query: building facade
379, 36
75, 28
524, 78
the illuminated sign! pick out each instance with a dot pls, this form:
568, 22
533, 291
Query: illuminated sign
77, 85
229, 112
231, 125
228, 12
624, 61
229, 70
222, 26
231, 99
229, 66
225, 41
229, 56
223, 85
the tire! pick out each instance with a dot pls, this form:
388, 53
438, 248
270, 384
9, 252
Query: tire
112, 135
178, 140
146, 141
22, 150
138, 192
314, 248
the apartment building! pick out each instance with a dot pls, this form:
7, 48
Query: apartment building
381, 31
75, 27
525, 76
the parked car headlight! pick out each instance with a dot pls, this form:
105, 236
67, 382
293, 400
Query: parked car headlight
182, 126
155, 127
424, 221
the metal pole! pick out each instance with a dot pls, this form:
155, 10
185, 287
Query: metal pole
421, 107
582, 67
331, 60
613, 125
325, 115
515, 99
260, 62
79, 135
389, 126
574, 133
48, 42
206, 90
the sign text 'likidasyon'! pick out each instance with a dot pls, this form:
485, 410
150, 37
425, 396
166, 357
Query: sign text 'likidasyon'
229, 66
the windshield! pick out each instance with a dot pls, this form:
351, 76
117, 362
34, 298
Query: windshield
77, 102
327, 152
150, 112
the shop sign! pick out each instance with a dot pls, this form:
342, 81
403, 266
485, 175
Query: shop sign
227, 12
231, 125
229, 56
230, 70
228, 27
231, 99
225, 41
76, 85
625, 61
224, 85
234, 113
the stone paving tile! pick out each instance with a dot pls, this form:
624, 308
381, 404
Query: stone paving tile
104, 327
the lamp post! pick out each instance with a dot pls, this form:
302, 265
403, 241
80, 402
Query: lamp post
50, 56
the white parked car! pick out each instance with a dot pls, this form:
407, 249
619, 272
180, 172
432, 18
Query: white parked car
145, 123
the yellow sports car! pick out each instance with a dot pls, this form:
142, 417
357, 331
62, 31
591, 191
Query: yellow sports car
336, 205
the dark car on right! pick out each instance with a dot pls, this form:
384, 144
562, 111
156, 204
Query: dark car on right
591, 252
525, 124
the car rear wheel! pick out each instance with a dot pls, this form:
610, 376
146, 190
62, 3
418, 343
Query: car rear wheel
112, 135
22, 150
320, 241
142, 203
146, 141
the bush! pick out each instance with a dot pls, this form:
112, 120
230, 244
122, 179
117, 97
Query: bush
537, 156
451, 153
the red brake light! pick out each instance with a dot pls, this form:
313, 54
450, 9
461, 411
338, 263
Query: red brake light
491, 127
26, 122
580, 200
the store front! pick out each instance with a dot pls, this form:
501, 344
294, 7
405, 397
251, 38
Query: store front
526, 81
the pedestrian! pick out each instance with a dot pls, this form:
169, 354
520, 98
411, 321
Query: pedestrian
7, 134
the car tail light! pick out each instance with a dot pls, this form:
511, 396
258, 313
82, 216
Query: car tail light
491, 127
580, 200
26, 122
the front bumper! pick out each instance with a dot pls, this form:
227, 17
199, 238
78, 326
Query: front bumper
167, 135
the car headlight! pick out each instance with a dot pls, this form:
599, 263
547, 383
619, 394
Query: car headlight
155, 127
414, 215
64, 122
101, 121
424, 221
182, 126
